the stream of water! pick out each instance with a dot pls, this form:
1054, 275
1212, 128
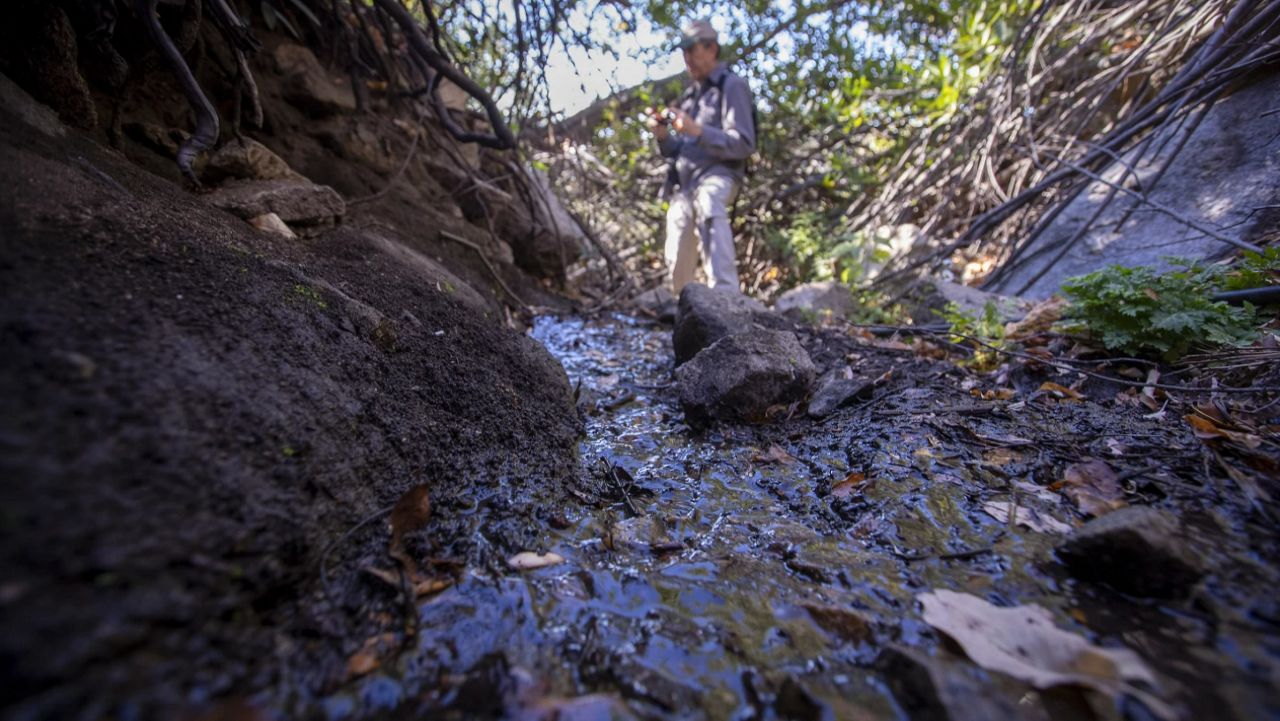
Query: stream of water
712, 576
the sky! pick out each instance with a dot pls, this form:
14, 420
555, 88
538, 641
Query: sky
578, 79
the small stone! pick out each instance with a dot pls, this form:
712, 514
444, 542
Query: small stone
1137, 550
835, 388
742, 377
844, 624
819, 298
295, 202
271, 223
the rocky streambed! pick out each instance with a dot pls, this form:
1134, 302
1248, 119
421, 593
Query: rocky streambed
801, 569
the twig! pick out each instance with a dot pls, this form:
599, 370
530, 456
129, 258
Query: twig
413, 146
324, 555
612, 471
1122, 381
492, 271
958, 410
1059, 363
1157, 206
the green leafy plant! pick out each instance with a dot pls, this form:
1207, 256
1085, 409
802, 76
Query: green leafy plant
1254, 270
1142, 312
987, 328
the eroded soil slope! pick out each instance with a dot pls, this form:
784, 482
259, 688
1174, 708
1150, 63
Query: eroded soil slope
192, 410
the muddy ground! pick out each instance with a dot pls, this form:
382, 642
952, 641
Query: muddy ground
193, 410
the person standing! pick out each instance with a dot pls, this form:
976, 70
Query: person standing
714, 134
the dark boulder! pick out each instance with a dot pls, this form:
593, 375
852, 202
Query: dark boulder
705, 315
742, 377
1137, 550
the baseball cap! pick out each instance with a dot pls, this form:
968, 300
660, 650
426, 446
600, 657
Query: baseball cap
695, 32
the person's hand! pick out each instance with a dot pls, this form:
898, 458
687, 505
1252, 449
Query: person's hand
686, 125
656, 123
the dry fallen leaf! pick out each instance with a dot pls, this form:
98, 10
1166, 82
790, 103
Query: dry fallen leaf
411, 513
1001, 456
1038, 319
993, 394
1036, 521
1206, 429
845, 488
367, 658
1093, 486
775, 454
1060, 391
1116, 447
1024, 643
361, 663
527, 560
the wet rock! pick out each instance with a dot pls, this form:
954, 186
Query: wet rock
544, 238
642, 534
704, 316
247, 158
943, 688
1137, 550
844, 624
39, 46
637, 680
305, 204
657, 301
742, 377
271, 223
819, 298
308, 86
795, 702
835, 388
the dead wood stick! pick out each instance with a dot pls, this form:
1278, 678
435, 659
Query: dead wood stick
404, 164
485, 259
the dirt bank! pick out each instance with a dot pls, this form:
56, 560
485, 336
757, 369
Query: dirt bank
194, 409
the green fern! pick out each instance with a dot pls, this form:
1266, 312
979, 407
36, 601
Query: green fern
1141, 312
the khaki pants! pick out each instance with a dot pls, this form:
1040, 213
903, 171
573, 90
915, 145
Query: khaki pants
702, 214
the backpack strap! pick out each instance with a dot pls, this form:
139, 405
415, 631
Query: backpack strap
724, 104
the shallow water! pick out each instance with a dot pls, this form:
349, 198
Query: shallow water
713, 576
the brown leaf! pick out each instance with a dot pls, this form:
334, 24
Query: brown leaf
845, 488
1060, 391
993, 394
411, 512
367, 658
1023, 642
1037, 320
890, 344
775, 454
1205, 429
361, 663
1094, 487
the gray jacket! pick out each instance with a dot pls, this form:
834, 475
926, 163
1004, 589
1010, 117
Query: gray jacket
726, 142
